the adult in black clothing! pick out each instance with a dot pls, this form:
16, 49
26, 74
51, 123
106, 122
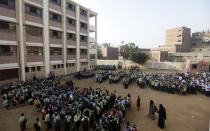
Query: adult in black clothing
138, 103
162, 116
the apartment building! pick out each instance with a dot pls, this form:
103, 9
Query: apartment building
201, 41
177, 40
39, 36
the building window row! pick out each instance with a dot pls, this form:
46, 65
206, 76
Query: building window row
83, 25
33, 10
71, 36
33, 69
55, 17
55, 51
70, 64
58, 66
35, 51
57, 2
34, 31
83, 12
71, 7
83, 38
71, 22
7, 26
55, 34
84, 63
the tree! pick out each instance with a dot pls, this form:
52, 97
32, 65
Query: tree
99, 54
139, 57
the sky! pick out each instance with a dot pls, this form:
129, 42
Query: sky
144, 22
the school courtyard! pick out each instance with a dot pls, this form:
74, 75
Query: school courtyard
184, 113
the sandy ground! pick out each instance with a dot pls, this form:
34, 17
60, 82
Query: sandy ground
184, 113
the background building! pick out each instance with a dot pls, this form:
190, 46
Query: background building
109, 52
39, 36
177, 40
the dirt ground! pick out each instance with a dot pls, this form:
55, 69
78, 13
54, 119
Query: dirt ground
184, 113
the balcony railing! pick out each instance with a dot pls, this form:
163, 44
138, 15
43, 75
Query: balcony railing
83, 18
56, 57
9, 35
55, 6
83, 43
83, 56
33, 18
71, 42
83, 30
8, 59
71, 27
37, 1
54, 40
70, 12
54, 23
34, 39
71, 57
7, 11
34, 58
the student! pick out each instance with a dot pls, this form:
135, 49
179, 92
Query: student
152, 110
162, 116
56, 120
138, 103
37, 125
22, 122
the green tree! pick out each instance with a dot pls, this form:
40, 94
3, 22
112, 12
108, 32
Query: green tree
99, 54
131, 52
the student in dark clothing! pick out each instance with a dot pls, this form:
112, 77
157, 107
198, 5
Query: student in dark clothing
138, 103
162, 116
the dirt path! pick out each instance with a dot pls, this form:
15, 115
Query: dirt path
184, 113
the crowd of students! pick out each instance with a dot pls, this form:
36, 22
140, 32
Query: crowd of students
68, 107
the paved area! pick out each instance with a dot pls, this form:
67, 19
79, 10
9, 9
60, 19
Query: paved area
184, 113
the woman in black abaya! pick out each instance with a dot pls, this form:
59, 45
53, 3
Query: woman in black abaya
162, 116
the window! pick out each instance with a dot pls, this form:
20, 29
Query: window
54, 66
34, 51
7, 26
55, 17
194, 66
71, 21
58, 66
83, 12
33, 69
83, 25
73, 64
33, 10
26, 69
83, 38
55, 34
8, 3
71, 7
55, 51
61, 65
6, 50
71, 36
67, 64
38, 68
57, 2
34, 31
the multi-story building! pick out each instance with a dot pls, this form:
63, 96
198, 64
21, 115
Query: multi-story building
177, 40
39, 36
201, 41
109, 52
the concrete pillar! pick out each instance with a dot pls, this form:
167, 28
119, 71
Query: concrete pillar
88, 39
46, 37
96, 35
78, 36
64, 35
21, 40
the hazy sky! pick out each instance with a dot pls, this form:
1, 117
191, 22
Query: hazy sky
144, 21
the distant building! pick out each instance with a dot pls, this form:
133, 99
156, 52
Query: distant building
158, 56
201, 42
109, 53
177, 40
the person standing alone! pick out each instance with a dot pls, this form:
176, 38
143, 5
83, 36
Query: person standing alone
162, 116
138, 103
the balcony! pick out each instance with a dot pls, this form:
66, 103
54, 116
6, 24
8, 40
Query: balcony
8, 35
34, 58
54, 40
36, 1
55, 24
5, 59
34, 39
92, 28
56, 57
71, 27
84, 18
54, 6
71, 57
83, 56
71, 42
70, 12
83, 30
83, 44
92, 40
7, 11
33, 18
